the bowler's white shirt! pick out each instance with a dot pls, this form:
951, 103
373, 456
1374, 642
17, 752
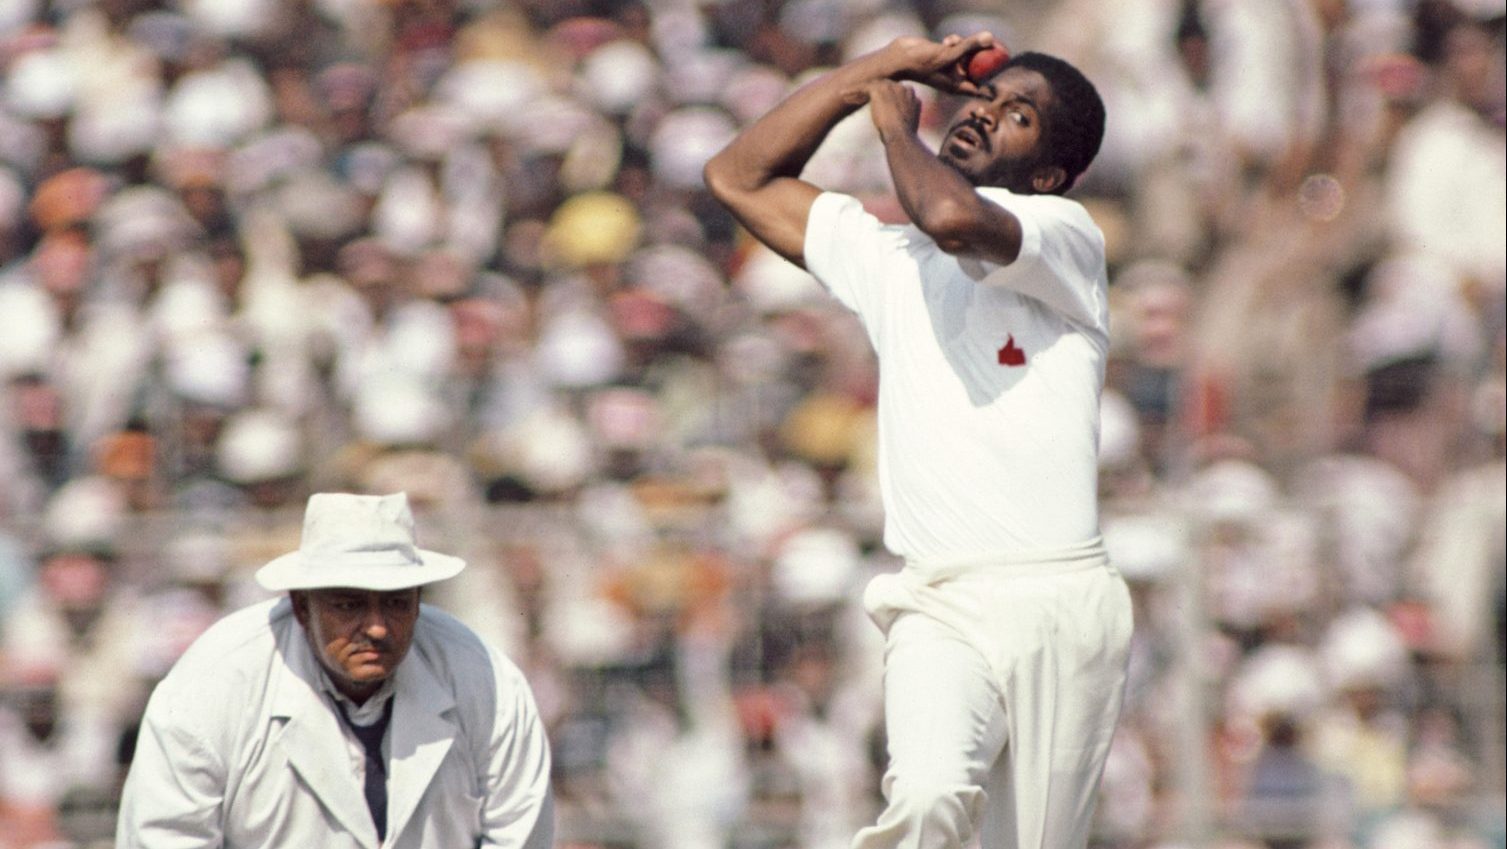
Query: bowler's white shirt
981, 454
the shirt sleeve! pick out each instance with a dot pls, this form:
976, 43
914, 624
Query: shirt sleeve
1061, 260
518, 807
175, 791
848, 250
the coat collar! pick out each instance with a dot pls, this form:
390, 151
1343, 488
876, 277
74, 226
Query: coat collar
423, 730
421, 734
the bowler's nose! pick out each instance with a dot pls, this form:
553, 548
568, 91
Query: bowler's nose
984, 113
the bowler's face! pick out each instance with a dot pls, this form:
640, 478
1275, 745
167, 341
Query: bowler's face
359, 636
997, 139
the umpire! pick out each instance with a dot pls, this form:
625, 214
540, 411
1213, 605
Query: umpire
345, 715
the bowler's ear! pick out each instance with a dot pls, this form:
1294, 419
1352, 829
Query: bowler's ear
1048, 179
300, 602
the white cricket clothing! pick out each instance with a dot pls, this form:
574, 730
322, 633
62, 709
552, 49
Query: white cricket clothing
1007, 632
1046, 639
989, 375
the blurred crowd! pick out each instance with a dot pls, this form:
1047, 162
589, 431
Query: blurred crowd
253, 249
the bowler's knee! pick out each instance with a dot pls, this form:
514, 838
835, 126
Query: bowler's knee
934, 807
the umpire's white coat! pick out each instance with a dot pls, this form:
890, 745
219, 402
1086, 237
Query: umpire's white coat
238, 749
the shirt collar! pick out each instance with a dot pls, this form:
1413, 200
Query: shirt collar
364, 714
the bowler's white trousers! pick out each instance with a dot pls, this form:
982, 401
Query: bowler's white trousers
1003, 682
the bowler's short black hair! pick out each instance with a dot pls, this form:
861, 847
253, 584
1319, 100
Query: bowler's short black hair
1075, 122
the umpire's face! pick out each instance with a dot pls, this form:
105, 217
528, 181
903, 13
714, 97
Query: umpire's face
359, 636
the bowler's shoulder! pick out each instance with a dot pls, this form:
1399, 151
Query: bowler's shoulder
1050, 206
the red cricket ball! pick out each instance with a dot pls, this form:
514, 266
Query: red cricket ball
986, 63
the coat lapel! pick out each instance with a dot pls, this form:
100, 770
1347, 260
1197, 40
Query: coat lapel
421, 733
314, 742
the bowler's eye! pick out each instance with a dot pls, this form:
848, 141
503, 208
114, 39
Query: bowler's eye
1020, 118
402, 604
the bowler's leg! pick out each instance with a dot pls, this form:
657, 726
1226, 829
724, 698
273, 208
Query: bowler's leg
946, 728
1064, 690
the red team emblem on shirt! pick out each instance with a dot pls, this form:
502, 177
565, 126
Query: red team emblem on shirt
1011, 355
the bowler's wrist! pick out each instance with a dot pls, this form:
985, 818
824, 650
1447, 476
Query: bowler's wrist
890, 62
892, 132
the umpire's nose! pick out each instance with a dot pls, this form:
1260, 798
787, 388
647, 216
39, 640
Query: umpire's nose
374, 624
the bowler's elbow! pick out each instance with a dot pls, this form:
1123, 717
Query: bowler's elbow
974, 230
719, 177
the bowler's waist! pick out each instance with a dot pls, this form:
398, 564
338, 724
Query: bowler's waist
1089, 554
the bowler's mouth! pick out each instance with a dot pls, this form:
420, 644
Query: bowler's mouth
966, 138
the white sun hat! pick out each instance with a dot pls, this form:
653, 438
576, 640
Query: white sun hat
360, 541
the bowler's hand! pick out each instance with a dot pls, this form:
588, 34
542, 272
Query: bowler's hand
893, 107
941, 65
